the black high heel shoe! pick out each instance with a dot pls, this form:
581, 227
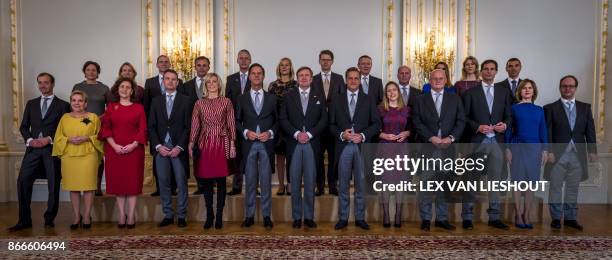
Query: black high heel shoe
76, 226
122, 225
130, 226
279, 193
87, 226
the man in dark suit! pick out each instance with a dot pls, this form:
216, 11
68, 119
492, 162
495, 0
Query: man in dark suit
257, 121
154, 87
194, 89
513, 68
353, 119
236, 85
370, 85
328, 84
303, 116
40, 119
570, 122
169, 124
409, 94
487, 112
438, 119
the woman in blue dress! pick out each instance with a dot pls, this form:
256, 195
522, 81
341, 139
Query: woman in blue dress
528, 140
448, 87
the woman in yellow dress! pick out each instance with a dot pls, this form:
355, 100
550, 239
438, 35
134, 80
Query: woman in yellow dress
76, 144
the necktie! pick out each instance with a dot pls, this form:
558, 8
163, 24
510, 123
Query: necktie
257, 108
571, 113
200, 88
352, 105
304, 101
365, 85
169, 105
45, 107
161, 85
438, 103
326, 85
405, 95
489, 98
513, 86
242, 83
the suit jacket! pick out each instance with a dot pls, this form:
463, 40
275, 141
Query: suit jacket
375, 89
365, 120
152, 90
247, 119
232, 87
559, 132
33, 124
292, 120
477, 111
504, 83
336, 85
178, 125
189, 89
427, 122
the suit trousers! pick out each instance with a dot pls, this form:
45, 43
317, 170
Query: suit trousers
350, 164
258, 168
302, 165
165, 167
568, 170
32, 160
426, 198
328, 145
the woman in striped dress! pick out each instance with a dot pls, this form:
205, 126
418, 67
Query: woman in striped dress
211, 141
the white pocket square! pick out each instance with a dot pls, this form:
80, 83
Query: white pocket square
318, 102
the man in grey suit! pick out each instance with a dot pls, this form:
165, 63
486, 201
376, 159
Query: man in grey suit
438, 119
169, 125
256, 120
353, 119
487, 110
303, 115
370, 85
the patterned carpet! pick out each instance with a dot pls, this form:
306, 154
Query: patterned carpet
322, 247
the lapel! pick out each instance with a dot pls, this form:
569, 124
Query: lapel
175, 105
361, 98
312, 100
564, 120
429, 102
481, 96
444, 106
345, 105
52, 104
38, 110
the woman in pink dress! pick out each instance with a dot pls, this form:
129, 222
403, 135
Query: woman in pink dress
211, 144
124, 129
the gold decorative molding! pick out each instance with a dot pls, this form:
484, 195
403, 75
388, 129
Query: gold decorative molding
226, 37
16, 91
149, 35
468, 28
602, 64
389, 63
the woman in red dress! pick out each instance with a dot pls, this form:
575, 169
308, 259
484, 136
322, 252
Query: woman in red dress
211, 144
124, 129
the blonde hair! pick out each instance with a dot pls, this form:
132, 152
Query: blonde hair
291, 72
221, 87
78, 92
476, 72
400, 100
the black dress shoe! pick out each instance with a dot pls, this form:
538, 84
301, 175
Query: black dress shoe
219, 222
362, 224
166, 222
174, 193
49, 224
572, 224
181, 222
444, 224
234, 192
319, 192
341, 224
387, 224
131, 226
333, 191
498, 224
397, 224
297, 224
310, 223
248, 222
208, 224
268, 223
467, 224
155, 194
19, 226
555, 224
99, 193
425, 225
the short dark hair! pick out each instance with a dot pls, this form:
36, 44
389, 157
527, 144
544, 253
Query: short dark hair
263, 71
349, 70
245, 50
170, 71
487, 62
158, 57
115, 88
87, 63
201, 58
568, 76
364, 57
328, 52
513, 59
51, 78
304, 68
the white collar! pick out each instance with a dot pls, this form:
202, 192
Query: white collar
348, 93
573, 100
307, 90
49, 96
